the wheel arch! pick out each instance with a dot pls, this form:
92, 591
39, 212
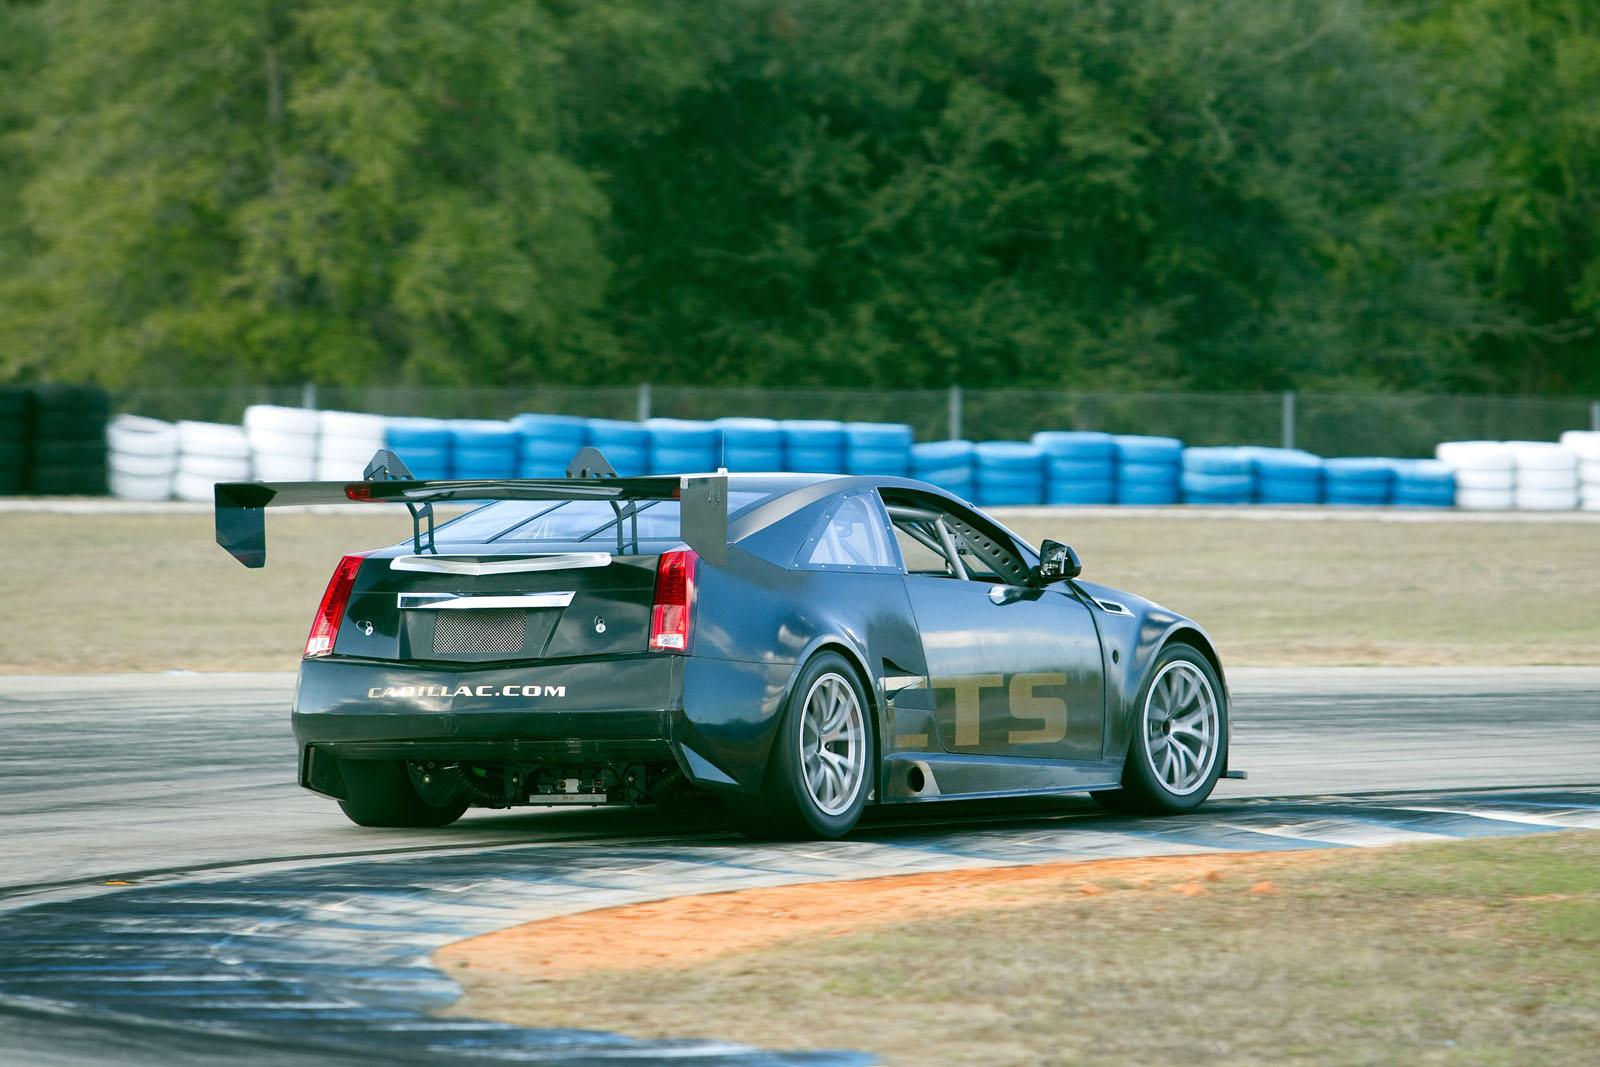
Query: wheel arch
1186, 633
1189, 634
869, 689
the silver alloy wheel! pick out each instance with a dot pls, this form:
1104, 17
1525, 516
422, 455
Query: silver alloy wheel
833, 744
1181, 726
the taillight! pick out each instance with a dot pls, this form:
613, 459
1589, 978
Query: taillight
325, 627
670, 618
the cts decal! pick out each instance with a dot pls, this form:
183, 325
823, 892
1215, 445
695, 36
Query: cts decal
387, 692
1049, 712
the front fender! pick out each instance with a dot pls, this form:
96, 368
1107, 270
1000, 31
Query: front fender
1131, 638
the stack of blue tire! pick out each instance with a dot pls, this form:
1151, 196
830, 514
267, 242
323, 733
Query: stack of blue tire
626, 445
1218, 476
947, 464
1149, 469
485, 448
683, 446
814, 446
1009, 472
1424, 483
423, 445
878, 448
1357, 481
549, 443
1287, 476
1080, 468
751, 444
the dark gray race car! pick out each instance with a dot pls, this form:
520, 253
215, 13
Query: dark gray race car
803, 645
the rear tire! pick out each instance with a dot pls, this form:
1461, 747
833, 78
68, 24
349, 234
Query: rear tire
380, 793
1180, 738
823, 762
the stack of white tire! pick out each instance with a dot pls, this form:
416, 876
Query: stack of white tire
209, 452
348, 440
1547, 476
283, 442
1486, 474
1585, 446
141, 457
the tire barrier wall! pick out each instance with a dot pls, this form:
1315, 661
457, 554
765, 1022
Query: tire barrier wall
283, 442
1080, 468
142, 457
208, 453
882, 448
58, 439
1585, 444
951, 465
751, 444
1525, 475
1218, 476
682, 446
1009, 473
53, 440
1149, 469
346, 441
16, 416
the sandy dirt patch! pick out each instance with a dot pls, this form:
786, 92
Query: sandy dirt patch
684, 931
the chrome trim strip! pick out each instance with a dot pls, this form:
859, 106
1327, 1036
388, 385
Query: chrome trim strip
513, 565
466, 602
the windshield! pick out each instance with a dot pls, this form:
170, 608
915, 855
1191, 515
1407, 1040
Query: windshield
517, 522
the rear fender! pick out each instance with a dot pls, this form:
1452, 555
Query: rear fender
733, 710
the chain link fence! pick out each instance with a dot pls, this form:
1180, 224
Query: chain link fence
1329, 424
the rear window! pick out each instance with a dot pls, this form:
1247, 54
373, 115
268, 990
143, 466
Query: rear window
573, 521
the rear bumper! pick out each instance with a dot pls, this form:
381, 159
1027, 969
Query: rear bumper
621, 709
613, 709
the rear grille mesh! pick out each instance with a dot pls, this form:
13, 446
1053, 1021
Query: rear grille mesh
467, 632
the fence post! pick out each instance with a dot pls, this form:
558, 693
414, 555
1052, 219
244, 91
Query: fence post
1594, 416
308, 395
643, 408
954, 426
1288, 418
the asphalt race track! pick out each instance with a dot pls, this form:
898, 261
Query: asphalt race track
258, 926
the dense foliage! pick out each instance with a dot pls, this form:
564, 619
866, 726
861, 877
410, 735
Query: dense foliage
1218, 194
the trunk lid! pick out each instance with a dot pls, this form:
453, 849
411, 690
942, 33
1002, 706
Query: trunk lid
467, 606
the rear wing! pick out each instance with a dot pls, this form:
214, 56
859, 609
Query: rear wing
241, 506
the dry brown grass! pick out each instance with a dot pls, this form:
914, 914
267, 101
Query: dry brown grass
1359, 592
153, 592
1462, 953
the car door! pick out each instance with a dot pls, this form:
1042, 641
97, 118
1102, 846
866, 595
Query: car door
1014, 668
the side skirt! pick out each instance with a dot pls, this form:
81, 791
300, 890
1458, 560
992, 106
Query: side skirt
915, 777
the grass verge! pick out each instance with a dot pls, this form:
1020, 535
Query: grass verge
1481, 952
153, 592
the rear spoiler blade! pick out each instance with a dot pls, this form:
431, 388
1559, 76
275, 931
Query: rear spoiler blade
241, 506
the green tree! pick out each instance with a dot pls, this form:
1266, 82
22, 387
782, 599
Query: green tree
331, 189
1091, 193
1517, 103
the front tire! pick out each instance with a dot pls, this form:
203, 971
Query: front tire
1180, 738
823, 761
380, 793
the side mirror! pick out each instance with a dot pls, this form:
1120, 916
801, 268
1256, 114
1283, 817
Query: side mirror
1058, 562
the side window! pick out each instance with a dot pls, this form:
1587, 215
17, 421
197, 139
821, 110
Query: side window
919, 552
852, 537
977, 567
944, 544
